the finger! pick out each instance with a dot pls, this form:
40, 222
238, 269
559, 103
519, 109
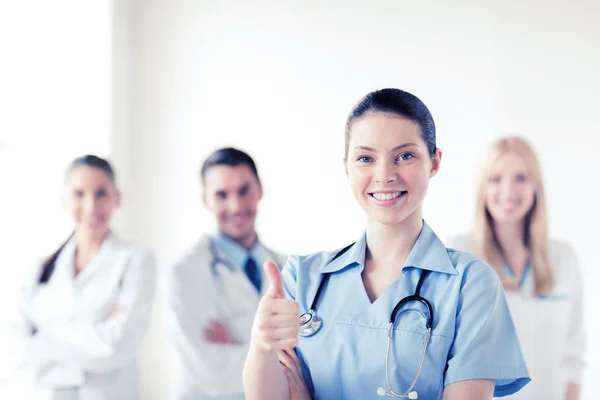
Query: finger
292, 383
284, 358
287, 357
278, 321
275, 290
292, 354
280, 333
279, 306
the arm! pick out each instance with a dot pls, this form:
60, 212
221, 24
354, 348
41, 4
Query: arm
214, 367
470, 390
22, 363
485, 345
110, 344
575, 340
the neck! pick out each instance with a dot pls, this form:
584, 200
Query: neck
392, 243
248, 241
87, 246
510, 236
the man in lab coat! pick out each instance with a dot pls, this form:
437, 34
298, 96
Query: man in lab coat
214, 290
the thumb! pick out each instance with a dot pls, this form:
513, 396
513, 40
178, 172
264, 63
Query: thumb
275, 290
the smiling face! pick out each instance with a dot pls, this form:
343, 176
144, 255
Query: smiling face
510, 190
91, 198
232, 195
389, 166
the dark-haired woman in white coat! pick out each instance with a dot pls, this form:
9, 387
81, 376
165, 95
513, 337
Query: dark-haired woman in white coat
84, 311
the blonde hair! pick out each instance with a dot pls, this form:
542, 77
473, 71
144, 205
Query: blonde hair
536, 223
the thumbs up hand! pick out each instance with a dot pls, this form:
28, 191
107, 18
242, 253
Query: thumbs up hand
275, 290
276, 320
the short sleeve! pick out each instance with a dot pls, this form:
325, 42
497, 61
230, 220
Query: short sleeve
485, 341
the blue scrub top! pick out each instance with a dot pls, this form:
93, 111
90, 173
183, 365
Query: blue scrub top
473, 335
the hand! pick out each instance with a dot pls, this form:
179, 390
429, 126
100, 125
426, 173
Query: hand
573, 391
118, 310
217, 333
293, 372
276, 320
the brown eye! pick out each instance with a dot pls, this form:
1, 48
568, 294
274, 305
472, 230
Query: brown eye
221, 195
244, 190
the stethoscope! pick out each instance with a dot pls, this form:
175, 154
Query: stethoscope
216, 259
309, 324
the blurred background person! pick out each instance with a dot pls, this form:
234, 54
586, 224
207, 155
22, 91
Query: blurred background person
214, 290
541, 277
84, 310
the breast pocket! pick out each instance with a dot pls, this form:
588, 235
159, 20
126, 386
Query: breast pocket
410, 355
411, 346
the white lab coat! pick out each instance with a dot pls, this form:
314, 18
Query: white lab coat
551, 329
80, 349
195, 296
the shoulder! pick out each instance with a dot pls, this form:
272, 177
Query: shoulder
560, 251
192, 260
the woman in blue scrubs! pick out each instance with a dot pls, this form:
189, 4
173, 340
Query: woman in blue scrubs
451, 337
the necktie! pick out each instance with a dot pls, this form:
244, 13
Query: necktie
253, 273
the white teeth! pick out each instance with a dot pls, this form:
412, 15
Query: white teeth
386, 196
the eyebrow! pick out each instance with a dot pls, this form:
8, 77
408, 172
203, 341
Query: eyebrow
394, 149
243, 186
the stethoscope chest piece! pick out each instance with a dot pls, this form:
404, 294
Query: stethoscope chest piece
309, 324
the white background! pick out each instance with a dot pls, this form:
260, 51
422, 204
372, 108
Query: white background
277, 81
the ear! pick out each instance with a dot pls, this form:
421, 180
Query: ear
204, 199
436, 160
260, 191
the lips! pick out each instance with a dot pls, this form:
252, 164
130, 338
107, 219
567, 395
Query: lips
386, 196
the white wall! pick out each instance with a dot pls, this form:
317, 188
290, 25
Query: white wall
278, 81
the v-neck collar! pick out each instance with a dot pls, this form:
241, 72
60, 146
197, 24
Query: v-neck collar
65, 263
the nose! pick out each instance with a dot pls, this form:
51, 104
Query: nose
386, 172
90, 204
235, 204
507, 188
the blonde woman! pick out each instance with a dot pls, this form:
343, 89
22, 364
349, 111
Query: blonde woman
541, 277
